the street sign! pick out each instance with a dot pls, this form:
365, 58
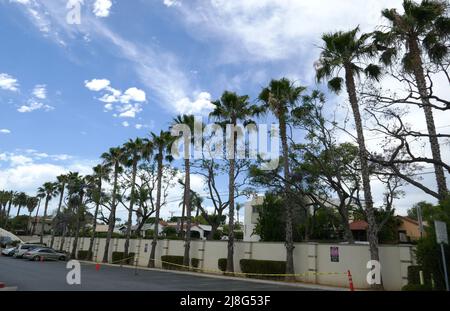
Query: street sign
441, 232
334, 253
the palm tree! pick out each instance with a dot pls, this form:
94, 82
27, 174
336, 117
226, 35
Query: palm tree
20, 200
135, 150
101, 172
187, 120
66, 220
76, 187
231, 108
8, 199
61, 185
113, 159
161, 144
40, 197
49, 189
32, 203
421, 30
279, 97
344, 51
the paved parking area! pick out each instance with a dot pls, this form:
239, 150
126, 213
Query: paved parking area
41, 276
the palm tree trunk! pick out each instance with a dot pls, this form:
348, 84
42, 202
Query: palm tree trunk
94, 225
73, 255
112, 215
57, 214
287, 203
130, 210
18, 211
151, 261
183, 213
35, 217
431, 127
7, 214
187, 203
43, 219
372, 230
230, 253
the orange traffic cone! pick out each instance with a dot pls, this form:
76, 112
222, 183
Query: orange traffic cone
350, 280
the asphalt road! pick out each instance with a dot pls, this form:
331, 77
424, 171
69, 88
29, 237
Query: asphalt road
42, 276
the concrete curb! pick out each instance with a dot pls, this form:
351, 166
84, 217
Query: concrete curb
299, 285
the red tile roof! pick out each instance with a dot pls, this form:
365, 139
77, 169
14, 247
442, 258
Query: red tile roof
358, 225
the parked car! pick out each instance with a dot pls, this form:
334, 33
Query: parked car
9, 251
23, 248
38, 254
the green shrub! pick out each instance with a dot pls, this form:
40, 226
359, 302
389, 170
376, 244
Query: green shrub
118, 258
239, 235
416, 287
217, 235
83, 255
222, 263
195, 262
169, 231
172, 262
195, 235
263, 267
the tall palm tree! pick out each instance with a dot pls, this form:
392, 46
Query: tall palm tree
61, 185
32, 203
113, 159
67, 220
187, 120
279, 97
230, 109
49, 189
9, 199
421, 31
345, 51
135, 150
101, 172
40, 196
161, 145
76, 187
20, 200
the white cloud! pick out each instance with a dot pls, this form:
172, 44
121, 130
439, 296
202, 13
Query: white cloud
5, 131
40, 91
8, 82
16, 160
34, 105
127, 104
125, 124
170, 3
97, 84
102, 8
200, 104
133, 94
138, 126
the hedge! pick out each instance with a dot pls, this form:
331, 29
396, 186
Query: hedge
416, 287
222, 263
168, 260
83, 255
118, 258
263, 267
195, 262
414, 275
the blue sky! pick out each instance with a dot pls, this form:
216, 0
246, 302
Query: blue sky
70, 92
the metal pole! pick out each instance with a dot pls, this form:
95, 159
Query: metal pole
445, 267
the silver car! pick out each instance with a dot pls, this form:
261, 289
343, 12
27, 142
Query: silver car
45, 253
9, 251
23, 248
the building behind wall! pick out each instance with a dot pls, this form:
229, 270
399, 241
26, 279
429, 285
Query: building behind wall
251, 218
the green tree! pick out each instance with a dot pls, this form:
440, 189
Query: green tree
423, 30
135, 150
49, 189
32, 203
270, 225
61, 181
344, 51
230, 109
112, 159
94, 191
280, 97
162, 143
